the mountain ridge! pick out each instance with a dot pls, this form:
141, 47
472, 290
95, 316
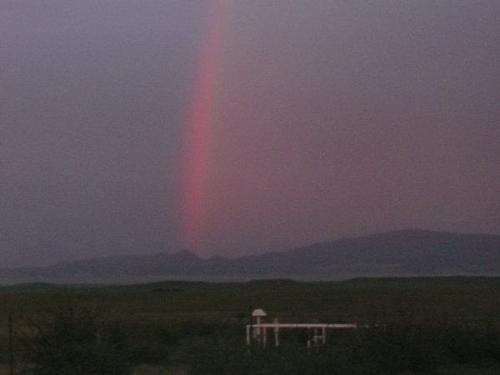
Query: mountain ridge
408, 252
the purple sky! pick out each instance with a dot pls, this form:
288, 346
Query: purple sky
332, 118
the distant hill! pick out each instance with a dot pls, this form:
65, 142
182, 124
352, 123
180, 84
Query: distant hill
398, 253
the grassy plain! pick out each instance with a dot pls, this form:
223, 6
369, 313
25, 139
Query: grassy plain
455, 298
196, 308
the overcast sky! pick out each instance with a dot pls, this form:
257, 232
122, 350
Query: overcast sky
330, 119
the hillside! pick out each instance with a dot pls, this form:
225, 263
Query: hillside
399, 253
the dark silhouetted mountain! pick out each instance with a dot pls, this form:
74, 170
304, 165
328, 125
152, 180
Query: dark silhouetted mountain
399, 253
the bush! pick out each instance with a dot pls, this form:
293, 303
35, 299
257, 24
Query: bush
72, 340
394, 348
223, 356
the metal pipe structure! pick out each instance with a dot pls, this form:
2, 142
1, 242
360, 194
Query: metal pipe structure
307, 325
319, 329
258, 330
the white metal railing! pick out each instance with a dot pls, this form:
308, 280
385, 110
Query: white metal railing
258, 331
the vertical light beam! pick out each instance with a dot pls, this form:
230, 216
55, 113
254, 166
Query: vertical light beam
198, 128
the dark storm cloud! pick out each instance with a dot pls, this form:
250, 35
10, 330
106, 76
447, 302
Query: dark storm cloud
333, 118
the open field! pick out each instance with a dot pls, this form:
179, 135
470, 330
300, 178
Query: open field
457, 299
173, 316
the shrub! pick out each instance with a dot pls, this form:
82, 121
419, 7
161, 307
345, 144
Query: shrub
72, 340
393, 348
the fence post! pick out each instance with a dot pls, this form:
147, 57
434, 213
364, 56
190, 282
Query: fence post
11, 344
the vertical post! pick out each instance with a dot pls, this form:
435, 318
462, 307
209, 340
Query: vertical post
258, 331
323, 333
264, 337
276, 333
249, 340
308, 339
250, 325
11, 344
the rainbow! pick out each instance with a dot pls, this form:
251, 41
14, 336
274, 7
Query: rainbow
198, 129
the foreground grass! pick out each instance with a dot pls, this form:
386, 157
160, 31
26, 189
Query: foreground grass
173, 315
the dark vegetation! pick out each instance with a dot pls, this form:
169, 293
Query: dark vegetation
396, 349
72, 339
416, 326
